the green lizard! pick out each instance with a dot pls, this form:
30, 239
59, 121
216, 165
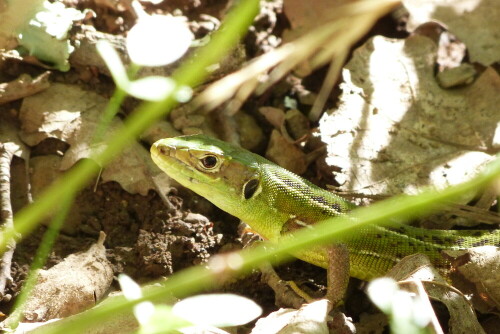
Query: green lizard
274, 201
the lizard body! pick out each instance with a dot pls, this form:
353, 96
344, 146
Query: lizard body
275, 201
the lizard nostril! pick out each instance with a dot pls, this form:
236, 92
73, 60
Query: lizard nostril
163, 149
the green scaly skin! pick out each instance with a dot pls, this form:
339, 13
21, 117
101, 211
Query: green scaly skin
274, 201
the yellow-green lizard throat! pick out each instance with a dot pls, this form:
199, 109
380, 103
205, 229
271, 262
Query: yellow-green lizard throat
274, 201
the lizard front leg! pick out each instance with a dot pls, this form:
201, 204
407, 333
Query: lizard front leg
338, 264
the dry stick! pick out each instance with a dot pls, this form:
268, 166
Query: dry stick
23, 86
489, 196
7, 151
332, 76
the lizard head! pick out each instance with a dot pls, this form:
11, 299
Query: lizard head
222, 173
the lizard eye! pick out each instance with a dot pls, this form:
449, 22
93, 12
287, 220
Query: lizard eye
209, 161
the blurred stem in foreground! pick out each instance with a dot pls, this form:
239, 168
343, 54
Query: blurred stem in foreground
191, 73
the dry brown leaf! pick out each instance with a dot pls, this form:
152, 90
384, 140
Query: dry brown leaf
395, 130
65, 112
463, 319
71, 286
286, 154
296, 125
417, 267
293, 125
71, 114
482, 268
306, 15
474, 22
122, 322
250, 133
275, 116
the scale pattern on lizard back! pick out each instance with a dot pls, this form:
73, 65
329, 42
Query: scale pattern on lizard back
373, 250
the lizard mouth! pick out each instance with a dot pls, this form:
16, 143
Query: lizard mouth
166, 157
160, 149
160, 153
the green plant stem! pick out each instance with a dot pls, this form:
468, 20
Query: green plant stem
113, 106
108, 114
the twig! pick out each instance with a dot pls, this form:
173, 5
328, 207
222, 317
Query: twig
23, 86
7, 151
